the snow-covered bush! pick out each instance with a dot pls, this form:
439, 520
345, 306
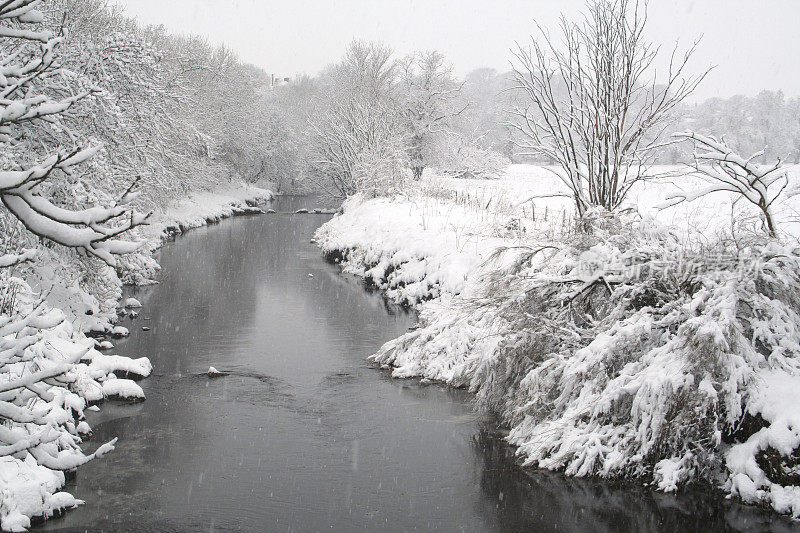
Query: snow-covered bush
50, 373
43, 394
460, 159
629, 352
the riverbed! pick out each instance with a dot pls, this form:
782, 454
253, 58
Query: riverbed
302, 434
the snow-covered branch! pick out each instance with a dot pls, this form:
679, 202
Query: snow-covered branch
27, 93
592, 106
727, 171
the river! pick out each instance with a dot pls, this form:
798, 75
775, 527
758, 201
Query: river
304, 435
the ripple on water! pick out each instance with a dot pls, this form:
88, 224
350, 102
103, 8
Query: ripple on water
302, 434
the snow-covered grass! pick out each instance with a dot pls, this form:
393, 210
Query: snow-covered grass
44, 422
660, 345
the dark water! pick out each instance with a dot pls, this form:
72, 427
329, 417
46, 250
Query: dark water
303, 435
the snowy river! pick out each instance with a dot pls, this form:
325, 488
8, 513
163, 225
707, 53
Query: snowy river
303, 435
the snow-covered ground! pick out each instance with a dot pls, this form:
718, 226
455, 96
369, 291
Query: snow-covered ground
54, 340
199, 207
447, 227
649, 379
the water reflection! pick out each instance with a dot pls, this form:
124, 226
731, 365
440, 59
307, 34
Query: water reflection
539, 500
302, 435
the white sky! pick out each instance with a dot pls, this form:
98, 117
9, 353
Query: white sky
755, 44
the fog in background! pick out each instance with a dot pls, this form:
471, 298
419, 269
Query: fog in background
753, 43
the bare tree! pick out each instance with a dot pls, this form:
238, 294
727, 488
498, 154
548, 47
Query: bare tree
725, 170
592, 106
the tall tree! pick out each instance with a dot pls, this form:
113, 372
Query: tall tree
429, 100
357, 141
594, 106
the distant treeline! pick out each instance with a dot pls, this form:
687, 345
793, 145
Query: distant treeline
769, 121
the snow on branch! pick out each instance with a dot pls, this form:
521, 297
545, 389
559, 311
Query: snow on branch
87, 229
727, 171
27, 94
591, 101
8, 260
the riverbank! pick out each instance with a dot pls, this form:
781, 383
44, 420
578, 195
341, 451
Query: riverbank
76, 309
197, 209
652, 347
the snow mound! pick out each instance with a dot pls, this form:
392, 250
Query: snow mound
132, 303
776, 399
124, 389
101, 364
29, 490
214, 373
613, 373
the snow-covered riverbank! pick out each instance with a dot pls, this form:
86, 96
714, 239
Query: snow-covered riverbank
54, 339
653, 347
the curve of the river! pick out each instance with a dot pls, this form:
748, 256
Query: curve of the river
303, 435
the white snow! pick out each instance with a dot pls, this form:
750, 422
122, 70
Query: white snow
132, 303
599, 407
198, 207
45, 434
122, 388
101, 364
29, 490
777, 399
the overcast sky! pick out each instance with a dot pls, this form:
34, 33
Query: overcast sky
755, 44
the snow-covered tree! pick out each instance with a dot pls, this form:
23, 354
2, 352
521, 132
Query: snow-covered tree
36, 88
357, 140
39, 402
357, 147
429, 100
727, 171
593, 106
